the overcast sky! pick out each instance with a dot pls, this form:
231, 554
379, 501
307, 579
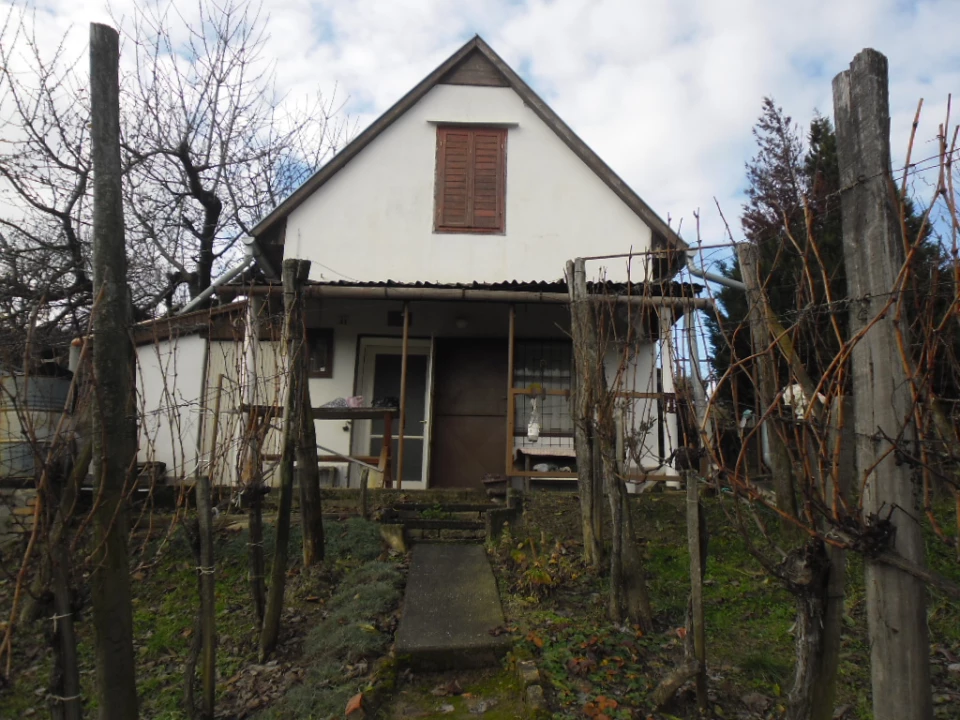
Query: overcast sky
666, 91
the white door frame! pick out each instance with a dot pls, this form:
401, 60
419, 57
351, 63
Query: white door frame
368, 349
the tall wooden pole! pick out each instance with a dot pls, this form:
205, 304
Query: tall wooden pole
760, 341
584, 407
311, 502
114, 421
873, 250
251, 450
206, 566
696, 523
403, 393
294, 273
695, 545
208, 664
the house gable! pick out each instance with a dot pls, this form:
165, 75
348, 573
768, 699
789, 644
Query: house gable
376, 199
475, 69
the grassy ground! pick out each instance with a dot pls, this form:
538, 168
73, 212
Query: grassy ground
164, 608
338, 623
596, 669
493, 694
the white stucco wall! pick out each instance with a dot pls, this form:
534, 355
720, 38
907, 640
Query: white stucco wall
169, 388
374, 219
171, 393
224, 358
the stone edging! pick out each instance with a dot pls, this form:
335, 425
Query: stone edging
531, 684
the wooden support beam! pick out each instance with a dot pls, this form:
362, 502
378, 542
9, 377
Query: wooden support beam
471, 295
386, 451
403, 392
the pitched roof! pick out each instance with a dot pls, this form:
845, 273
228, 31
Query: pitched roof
477, 64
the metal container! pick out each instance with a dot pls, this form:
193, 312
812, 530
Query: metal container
30, 410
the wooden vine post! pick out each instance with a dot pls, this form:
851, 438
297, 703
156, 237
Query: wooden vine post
295, 272
585, 360
761, 343
311, 502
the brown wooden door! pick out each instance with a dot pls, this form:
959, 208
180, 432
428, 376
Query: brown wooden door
469, 412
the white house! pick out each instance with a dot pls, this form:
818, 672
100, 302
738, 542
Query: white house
456, 210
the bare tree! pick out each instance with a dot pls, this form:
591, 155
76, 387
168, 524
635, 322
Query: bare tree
209, 146
44, 172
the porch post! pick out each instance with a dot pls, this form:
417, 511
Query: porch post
669, 386
699, 387
249, 444
403, 393
511, 405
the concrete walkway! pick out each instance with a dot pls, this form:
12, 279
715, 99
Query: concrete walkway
450, 606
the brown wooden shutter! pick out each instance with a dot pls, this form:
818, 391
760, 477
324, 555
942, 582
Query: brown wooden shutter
471, 179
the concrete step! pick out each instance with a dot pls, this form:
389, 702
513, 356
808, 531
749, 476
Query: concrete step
450, 607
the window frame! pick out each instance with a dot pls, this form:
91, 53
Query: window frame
440, 180
325, 336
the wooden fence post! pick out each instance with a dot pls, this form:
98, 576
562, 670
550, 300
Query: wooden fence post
695, 545
874, 255
294, 273
311, 502
583, 406
251, 470
760, 341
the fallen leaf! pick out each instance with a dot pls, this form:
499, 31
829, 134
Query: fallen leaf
354, 705
605, 703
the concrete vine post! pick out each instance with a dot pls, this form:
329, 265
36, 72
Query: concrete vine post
294, 274
114, 421
874, 255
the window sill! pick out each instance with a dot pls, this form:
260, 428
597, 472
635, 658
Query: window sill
469, 231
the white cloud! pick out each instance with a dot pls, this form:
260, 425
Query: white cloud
666, 91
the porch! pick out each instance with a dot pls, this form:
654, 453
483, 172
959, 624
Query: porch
480, 378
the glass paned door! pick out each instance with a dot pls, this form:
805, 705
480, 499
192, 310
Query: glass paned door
386, 387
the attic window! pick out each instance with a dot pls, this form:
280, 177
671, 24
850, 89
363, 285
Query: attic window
471, 180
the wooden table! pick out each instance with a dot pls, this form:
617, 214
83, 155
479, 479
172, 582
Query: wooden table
383, 462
